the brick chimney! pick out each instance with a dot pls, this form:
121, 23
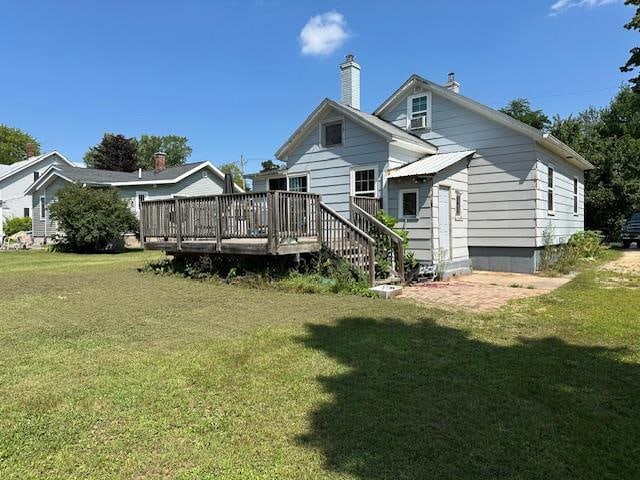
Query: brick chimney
160, 161
30, 150
452, 84
350, 82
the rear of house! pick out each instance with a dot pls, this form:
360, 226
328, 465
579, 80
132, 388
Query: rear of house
471, 186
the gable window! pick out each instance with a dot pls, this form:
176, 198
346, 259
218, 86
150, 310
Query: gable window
419, 111
458, 205
298, 184
26, 212
575, 196
205, 174
550, 199
278, 183
332, 134
42, 208
36, 175
408, 203
364, 182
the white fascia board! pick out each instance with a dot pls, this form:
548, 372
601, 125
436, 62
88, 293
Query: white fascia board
398, 142
36, 160
46, 180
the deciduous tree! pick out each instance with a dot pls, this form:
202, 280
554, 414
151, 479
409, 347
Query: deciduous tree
521, 110
176, 148
13, 144
114, 152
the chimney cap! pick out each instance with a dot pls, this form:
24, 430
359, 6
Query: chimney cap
451, 76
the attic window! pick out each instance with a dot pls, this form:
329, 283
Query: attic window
418, 111
332, 134
205, 174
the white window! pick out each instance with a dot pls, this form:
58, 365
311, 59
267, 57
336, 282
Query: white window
408, 203
331, 134
299, 183
575, 196
42, 208
140, 197
419, 111
550, 199
458, 205
363, 182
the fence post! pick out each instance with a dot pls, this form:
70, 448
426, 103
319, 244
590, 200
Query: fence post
178, 218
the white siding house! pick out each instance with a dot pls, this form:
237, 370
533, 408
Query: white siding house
15, 179
476, 181
188, 180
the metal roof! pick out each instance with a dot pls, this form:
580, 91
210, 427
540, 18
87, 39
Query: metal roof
430, 165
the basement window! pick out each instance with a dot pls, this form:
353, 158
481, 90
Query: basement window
332, 134
550, 199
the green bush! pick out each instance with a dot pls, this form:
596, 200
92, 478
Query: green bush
17, 224
91, 219
563, 259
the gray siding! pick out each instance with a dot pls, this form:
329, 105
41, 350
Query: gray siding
562, 222
50, 193
502, 190
419, 229
330, 169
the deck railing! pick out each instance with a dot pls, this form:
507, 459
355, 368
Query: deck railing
280, 217
389, 243
348, 242
371, 205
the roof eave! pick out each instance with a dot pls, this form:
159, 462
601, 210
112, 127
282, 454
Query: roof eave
568, 153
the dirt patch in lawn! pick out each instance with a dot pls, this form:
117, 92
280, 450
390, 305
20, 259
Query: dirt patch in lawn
481, 290
622, 272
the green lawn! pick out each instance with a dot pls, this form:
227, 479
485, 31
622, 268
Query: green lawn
110, 373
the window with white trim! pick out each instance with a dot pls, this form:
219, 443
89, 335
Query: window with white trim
364, 182
36, 175
550, 199
43, 210
408, 203
575, 195
26, 212
299, 183
418, 111
458, 205
140, 197
332, 134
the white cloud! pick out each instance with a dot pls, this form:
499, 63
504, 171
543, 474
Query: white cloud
323, 33
561, 5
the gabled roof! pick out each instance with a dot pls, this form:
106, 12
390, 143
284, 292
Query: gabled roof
93, 176
390, 132
26, 163
430, 165
545, 139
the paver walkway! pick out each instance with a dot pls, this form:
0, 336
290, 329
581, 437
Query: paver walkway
481, 290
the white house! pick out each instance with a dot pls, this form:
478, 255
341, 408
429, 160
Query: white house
16, 178
472, 186
188, 180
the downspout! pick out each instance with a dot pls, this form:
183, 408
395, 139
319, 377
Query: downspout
45, 215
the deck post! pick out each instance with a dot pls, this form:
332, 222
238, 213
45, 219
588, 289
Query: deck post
275, 208
372, 264
318, 219
178, 218
141, 219
218, 222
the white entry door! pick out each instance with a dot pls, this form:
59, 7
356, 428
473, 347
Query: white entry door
444, 222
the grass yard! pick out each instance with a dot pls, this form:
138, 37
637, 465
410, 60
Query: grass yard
110, 373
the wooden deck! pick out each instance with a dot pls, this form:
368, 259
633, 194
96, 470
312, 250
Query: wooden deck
266, 223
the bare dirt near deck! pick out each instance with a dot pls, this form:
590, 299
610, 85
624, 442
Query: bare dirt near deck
482, 290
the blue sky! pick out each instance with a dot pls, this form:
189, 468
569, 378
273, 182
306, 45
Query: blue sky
236, 77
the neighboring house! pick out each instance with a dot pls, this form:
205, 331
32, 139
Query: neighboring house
191, 179
471, 185
17, 177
